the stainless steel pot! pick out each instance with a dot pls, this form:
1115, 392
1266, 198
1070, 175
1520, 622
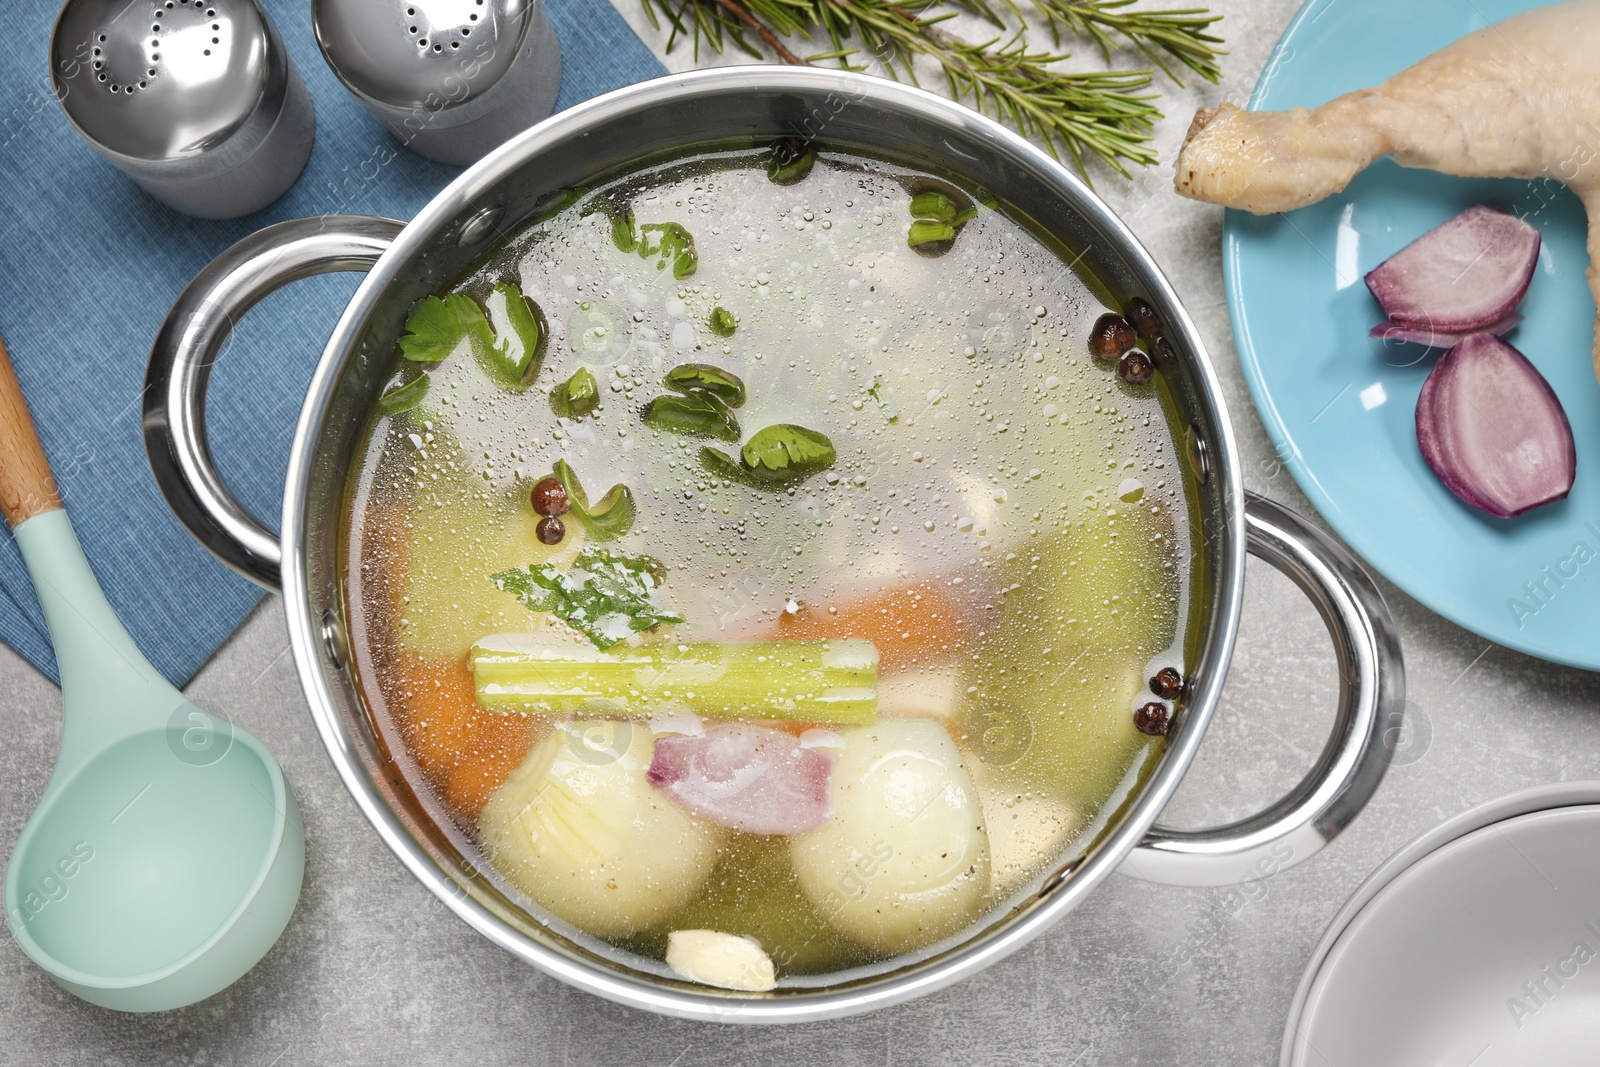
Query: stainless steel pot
497, 195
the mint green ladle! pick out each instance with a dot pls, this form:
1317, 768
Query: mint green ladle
165, 856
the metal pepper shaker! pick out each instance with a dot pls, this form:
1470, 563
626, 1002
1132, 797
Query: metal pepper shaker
452, 79
196, 100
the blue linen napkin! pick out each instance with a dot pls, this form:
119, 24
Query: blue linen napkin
89, 266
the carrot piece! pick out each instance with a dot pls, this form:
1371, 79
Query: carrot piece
910, 625
466, 751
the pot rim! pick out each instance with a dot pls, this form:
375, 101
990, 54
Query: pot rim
987, 944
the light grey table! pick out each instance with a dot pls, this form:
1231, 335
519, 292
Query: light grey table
373, 971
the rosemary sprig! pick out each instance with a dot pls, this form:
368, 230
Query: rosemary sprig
1179, 32
1104, 114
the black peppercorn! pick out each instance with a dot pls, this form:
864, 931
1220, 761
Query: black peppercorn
1111, 337
1143, 317
1135, 368
550, 530
1167, 684
549, 497
1152, 718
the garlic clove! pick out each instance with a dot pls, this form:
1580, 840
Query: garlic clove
727, 961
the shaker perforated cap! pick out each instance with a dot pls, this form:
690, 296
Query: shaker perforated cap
428, 54
159, 80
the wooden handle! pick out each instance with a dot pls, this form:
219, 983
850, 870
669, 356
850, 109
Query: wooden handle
27, 487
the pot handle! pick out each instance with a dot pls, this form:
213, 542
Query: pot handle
187, 348
1371, 699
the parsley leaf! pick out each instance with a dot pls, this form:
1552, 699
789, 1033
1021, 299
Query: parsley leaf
404, 397
576, 397
436, 327
669, 242
693, 414
722, 322
879, 391
784, 452
512, 360
607, 518
774, 457
607, 596
704, 378
508, 351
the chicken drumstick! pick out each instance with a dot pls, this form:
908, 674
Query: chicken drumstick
1518, 99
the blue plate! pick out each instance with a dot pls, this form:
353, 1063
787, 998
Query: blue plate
1341, 406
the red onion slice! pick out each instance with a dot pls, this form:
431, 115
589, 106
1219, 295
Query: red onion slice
748, 777
1460, 277
1393, 331
1493, 430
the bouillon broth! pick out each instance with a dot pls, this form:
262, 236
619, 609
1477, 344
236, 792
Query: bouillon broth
753, 546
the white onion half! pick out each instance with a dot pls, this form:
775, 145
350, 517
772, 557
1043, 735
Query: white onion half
904, 859
579, 829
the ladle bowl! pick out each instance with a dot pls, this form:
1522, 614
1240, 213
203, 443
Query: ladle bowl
166, 854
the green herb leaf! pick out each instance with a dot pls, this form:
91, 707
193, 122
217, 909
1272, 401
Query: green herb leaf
693, 415
791, 160
704, 378
576, 397
508, 351
612, 515
607, 595
624, 233
933, 206
785, 452
437, 326
607, 518
404, 397
685, 263
721, 322
512, 359
559, 201
672, 244
879, 391
722, 465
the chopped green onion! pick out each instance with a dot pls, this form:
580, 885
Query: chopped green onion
935, 207
832, 682
923, 232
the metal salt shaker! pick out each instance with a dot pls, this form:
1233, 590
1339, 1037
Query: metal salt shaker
452, 79
196, 100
